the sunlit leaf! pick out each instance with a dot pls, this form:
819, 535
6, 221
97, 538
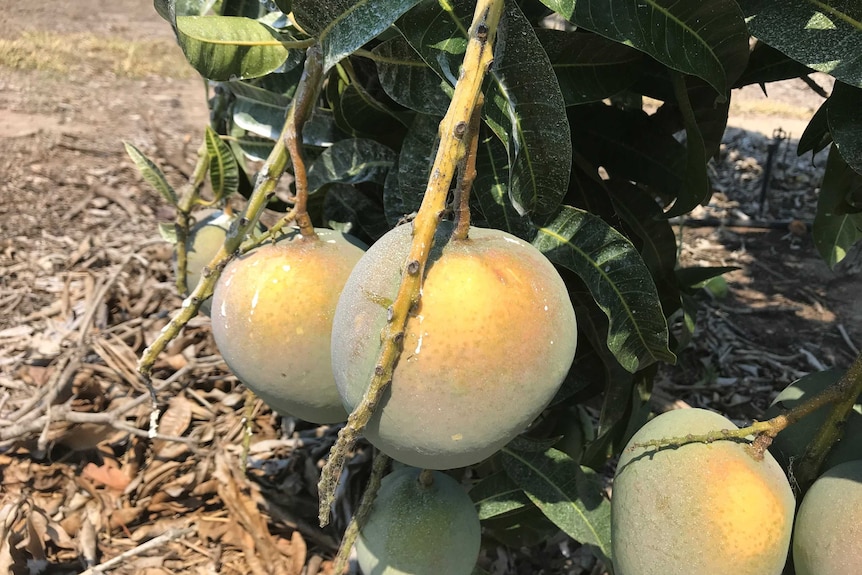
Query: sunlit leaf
835, 230
491, 189
497, 495
342, 26
152, 174
569, 495
845, 123
523, 102
223, 169
618, 280
825, 35
589, 67
350, 162
230, 47
704, 39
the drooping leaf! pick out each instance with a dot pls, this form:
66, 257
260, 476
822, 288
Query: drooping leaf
618, 280
630, 146
704, 39
825, 35
408, 80
491, 189
845, 123
360, 115
589, 67
223, 169
816, 135
766, 64
257, 110
403, 196
230, 47
523, 102
569, 495
342, 26
836, 228
695, 188
151, 174
345, 204
349, 162
497, 495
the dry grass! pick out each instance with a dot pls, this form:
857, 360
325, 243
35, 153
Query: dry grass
88, 53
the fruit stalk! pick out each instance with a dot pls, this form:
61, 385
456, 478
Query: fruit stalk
477, 58
264, 190
184, 208
467, 174
848, 389
381, 461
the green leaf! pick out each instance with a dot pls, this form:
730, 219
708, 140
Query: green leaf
224, 172
403, 196
342, 26
695, 188
836, 228
497, 495
523, 102
618, 280
347, 205
152, 174
408, 80
704, 39
766, 64
258, 111
697, 277
816, 135
168, 232
845, 123
589, 67
630, 146
569, 495
359, 114
350, 162
825, 35
230, 47
491, 185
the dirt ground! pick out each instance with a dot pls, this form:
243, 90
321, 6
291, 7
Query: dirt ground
86, 283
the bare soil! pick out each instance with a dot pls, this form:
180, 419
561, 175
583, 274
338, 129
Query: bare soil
86, 284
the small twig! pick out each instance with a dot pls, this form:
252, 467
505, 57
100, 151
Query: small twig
846, 337
358, 520
477, 59
154, 543
467, 174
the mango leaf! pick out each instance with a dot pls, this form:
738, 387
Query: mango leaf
359, 114
408, 80
342, 26
836, 228
697, 277
589, 67
350, 162
403, 195
523, 103
152, 174
618, 280
845, 123
630, 146
816, 135
491, 185
497, 495
230, 47
344, 204
766, 64
825, 35
695, 188
223, 169
569, 495
257, 110
704, 39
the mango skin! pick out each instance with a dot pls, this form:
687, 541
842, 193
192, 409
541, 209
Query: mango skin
705, 509
272, 320
483, 355
418, 530
791, 443
828, 535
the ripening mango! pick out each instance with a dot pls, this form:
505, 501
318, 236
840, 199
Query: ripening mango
705, 509
272, 321
484, 352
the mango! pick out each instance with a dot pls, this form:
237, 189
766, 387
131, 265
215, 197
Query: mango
704, 509
272, 321
483, 354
